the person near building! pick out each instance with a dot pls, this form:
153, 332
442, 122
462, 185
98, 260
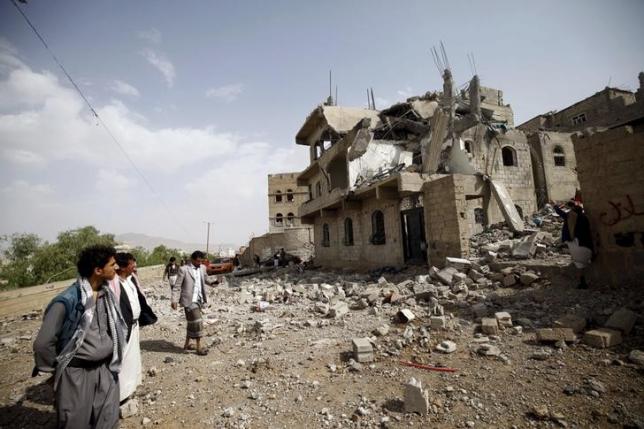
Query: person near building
136, 313
577, 236
81, 341
171, 271
190, 292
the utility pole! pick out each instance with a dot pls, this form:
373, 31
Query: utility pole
208, 237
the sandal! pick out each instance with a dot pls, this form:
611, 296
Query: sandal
190, 347
202, 352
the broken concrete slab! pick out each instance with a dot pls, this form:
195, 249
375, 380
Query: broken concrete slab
552, 335
416, 398
438, 322
574, 322
405, 315
504, 319
637, 357
446, 347
622, 320
488, 350
603, 338
507, 206
489, 326
458, 263
362, 350
528, 278
446, 275
339, 310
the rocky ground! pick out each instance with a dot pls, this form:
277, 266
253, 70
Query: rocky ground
293, 365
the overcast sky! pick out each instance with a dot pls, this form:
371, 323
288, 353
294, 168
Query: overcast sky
206, 97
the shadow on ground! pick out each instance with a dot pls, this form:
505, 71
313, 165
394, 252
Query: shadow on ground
160, 346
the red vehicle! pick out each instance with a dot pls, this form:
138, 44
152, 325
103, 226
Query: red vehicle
218, 266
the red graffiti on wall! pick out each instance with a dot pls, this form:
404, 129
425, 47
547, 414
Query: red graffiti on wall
620, 212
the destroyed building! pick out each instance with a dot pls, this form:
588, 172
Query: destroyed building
549, 136
286, 230
411, 183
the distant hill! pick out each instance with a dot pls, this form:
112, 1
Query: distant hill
134, 239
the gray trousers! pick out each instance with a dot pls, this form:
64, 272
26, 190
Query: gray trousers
87, 398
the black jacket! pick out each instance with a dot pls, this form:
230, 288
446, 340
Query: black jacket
147, 316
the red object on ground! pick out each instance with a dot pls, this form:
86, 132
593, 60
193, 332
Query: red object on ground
428, 367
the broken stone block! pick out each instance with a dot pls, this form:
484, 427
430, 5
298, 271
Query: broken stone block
504, 319
602, 338
576, 323
438, 322
490, 256
381, 331
552, 335
405, 315
489, 326
446, 275
528, 278
458, 263
488, 350
416, 398
129, 409
458, 278
339, 310
446, 347
475, 275
362, 350
479, 309
637, 357
509, 280
321, 308
423, 278
622, 320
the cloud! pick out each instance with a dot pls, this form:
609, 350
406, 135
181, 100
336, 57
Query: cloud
406, 92
227, 93
152, 35
124, 88
197, 172
161, 63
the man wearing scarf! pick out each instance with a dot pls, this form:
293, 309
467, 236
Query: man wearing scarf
81, 341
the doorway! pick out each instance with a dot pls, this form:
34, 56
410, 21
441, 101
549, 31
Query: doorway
413, 232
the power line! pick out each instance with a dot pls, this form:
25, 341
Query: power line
100, 120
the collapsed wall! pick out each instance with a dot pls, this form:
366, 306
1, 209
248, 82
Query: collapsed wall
612, 187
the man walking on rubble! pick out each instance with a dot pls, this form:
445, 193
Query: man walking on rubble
190, 291
81, 341
576, 234
171, 271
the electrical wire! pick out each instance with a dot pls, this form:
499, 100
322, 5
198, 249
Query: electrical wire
100, 120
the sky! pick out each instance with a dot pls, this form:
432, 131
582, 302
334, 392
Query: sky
205, 97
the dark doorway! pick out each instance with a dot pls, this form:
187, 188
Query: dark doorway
413, 231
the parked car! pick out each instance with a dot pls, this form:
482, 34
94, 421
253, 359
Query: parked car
219, 266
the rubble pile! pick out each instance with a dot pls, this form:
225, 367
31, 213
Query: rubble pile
540, 239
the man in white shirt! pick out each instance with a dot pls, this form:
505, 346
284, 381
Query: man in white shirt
190, 292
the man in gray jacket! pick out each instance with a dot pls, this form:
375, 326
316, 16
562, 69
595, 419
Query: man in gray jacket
81, 340
190, 291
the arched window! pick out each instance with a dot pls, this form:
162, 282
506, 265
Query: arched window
348, 232
289, 195
509, 156
377, 227
468, 146
278, 196
326, 240
279, 219
560, 156
289, 219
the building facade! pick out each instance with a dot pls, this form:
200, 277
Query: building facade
284, 198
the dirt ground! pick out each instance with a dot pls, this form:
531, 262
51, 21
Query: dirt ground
290, 366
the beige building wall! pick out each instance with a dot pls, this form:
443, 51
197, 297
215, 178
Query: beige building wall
284, 198
611, 175
553, 181
362, 254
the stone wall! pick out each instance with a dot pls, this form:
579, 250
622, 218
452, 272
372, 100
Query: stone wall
611, 174
553, 182
362, 254
293, 241
446, 221
518, 179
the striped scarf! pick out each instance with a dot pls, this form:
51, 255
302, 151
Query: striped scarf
115, 322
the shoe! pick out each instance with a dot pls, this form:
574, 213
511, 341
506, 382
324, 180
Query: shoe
202, 352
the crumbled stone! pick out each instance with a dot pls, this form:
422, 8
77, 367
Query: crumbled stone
636, 356
416, 398
129, 409
552, 335
489, 326
602, 338
574, 322
405, 315
446, 347
622, 320
504, 319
